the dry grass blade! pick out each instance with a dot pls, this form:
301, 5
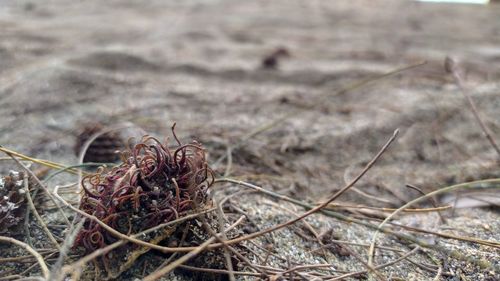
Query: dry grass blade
229, 264
46, 163
220, 271
433, 201
495, 244
422, 210
56, 272
369, 267
37, 216
379, 266
223, 239
449, 236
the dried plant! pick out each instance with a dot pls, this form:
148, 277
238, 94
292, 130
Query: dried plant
153, 185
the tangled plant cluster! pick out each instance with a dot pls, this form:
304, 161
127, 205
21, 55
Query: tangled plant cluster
153, 185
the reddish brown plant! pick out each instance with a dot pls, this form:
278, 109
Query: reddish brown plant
153, 185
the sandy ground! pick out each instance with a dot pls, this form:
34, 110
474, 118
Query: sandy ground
197, 63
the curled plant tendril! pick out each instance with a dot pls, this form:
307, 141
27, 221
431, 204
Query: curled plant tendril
153, 185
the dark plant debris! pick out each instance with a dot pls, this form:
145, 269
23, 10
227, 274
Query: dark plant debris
154, 184
271, 61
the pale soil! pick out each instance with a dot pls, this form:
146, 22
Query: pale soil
65, 63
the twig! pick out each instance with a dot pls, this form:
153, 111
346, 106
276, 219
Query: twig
433, 201
369, 266
220, 271
332, 206
439, 191
10, 277
445, 235
33, 265
35, 212
353, 253
65, 169
452, 67
378, 266
228, 247
268, 252
307, 266
372, 197
27, 227
438, 274
358, 244
220, 217
307, 225
223, 238
57, 272
38, 161
31, 279
38, 257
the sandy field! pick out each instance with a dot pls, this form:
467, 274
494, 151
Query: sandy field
146, 65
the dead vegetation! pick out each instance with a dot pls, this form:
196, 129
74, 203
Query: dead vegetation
313, 162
